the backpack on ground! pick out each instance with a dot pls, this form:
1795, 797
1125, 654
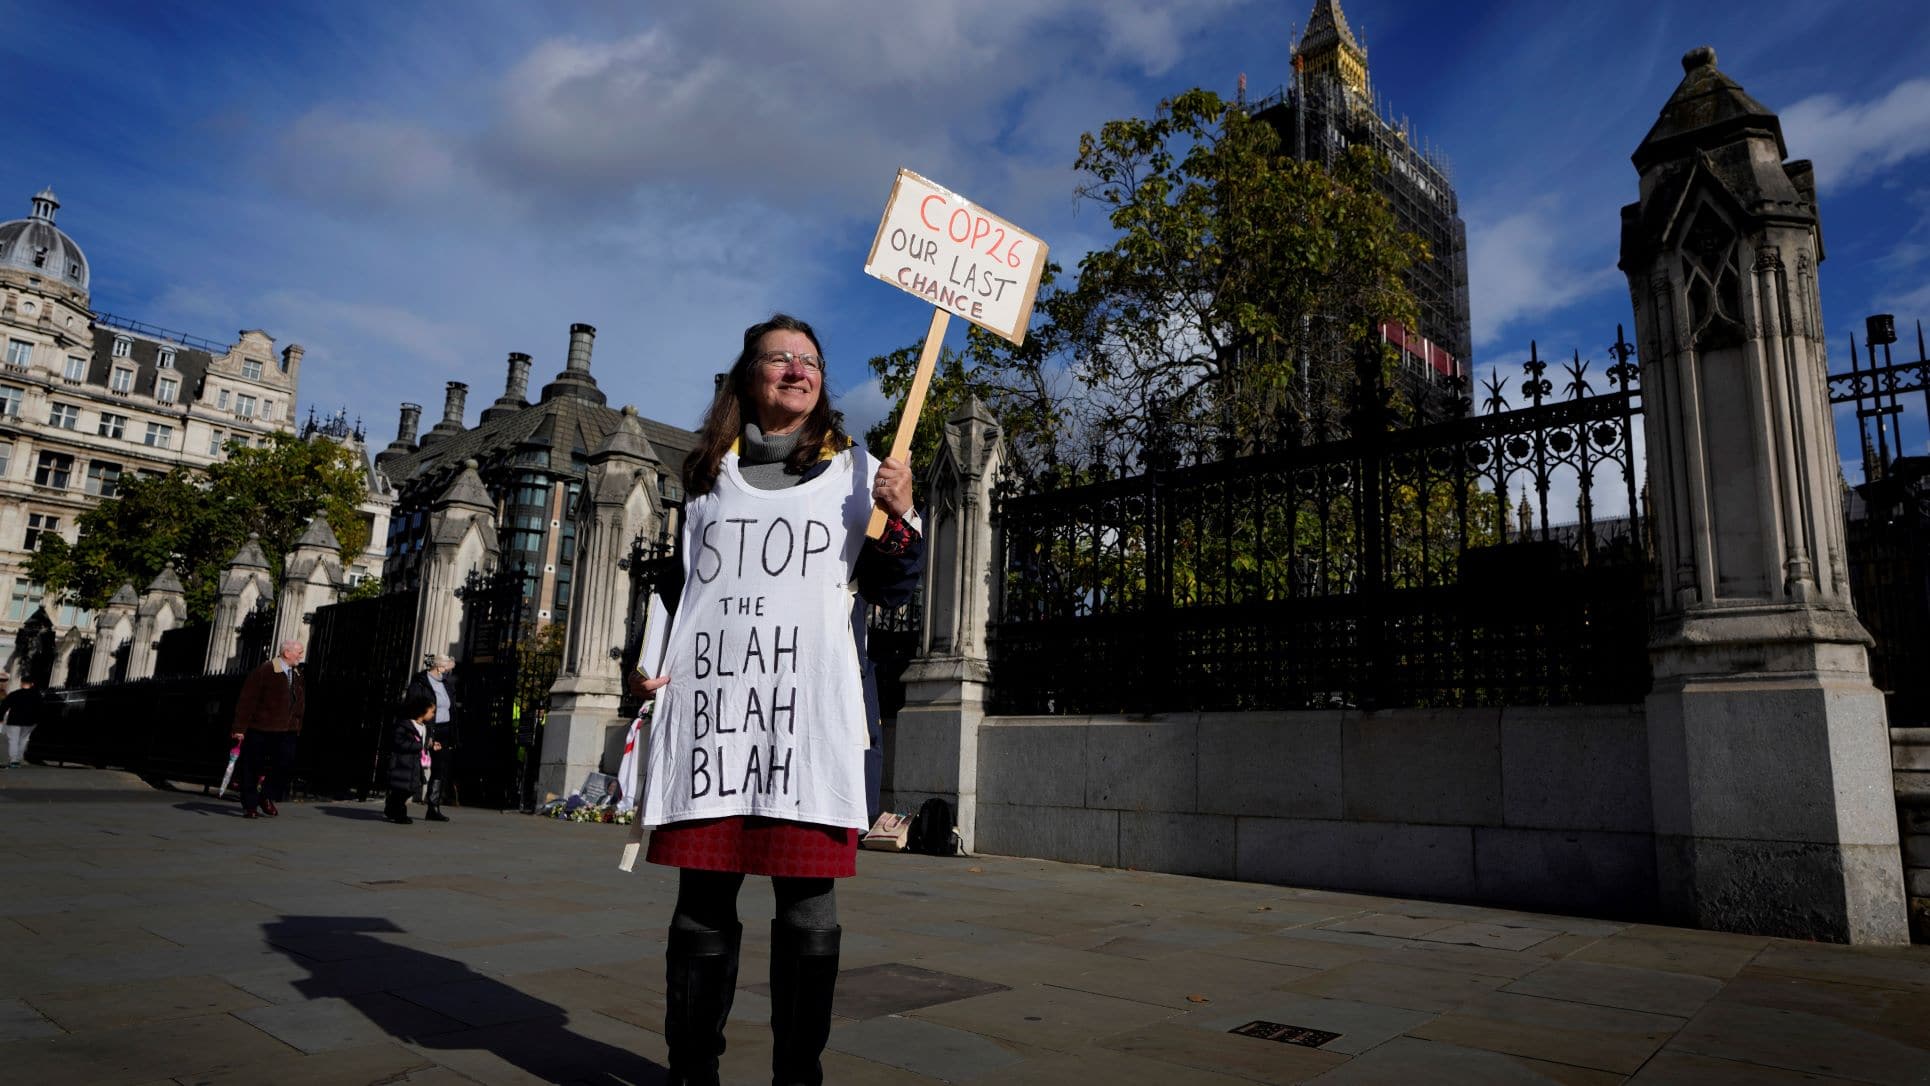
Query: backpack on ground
932, 830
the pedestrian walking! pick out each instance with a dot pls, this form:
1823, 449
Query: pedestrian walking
268, 721
757, 746
410, 751
444, 734
19, 714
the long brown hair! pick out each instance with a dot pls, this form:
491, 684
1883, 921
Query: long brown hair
724, 422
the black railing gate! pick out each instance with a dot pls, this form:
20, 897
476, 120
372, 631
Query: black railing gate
358, 664
495, 610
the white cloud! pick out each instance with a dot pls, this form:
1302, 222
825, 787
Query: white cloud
1850, 142
863, 406
1522, 265
1909, 298
332, 159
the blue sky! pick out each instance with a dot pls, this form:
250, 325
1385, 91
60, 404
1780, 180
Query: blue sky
412, 191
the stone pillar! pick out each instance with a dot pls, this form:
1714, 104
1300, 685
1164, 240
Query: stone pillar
1769, 756
936, 748
245, 581
163, 607
462, 537
311, 577
619, 503
113, 625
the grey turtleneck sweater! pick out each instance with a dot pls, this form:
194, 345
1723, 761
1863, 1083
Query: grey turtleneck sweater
760, 458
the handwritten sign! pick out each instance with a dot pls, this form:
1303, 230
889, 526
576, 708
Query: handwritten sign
958, 256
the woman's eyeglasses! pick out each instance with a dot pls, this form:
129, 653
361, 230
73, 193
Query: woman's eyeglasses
783, 359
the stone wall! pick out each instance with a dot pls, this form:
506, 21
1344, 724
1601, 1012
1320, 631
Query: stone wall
1533, 807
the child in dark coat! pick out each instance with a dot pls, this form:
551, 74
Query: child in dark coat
405, 754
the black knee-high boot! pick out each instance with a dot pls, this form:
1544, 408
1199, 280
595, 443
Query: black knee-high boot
804, 977
701, 976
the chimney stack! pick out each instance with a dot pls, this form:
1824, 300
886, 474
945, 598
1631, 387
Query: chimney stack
452, 403
405, 432
411, 422
515, 395
451, 423
518, 386
582, 338
575, 380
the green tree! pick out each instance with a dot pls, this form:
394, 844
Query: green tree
1014, 383
1240, 278
196, 519
1223, 314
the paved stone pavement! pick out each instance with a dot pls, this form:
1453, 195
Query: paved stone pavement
149, 937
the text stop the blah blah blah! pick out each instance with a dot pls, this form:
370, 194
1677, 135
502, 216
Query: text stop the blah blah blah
743, 718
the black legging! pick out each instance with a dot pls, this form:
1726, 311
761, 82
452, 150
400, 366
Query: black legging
707, 901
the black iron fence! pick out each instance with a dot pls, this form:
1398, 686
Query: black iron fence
1888, 534
358, 664
1386, 569
164, 729
183, 651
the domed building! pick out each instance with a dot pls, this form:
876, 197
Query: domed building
88, 399
34, 250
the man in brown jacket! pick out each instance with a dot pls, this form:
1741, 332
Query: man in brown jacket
268, 721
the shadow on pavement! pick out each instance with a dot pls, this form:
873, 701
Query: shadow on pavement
437, 1003
359, 814
210, 807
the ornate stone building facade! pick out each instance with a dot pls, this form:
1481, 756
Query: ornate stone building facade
88, 399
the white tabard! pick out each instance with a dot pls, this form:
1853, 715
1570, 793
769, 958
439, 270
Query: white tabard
764, 713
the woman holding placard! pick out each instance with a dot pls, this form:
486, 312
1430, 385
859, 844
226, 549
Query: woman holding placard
757, 751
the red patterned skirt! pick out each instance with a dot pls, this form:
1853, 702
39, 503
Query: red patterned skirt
757, 846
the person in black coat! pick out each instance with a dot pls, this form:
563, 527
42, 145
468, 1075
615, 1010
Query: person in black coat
405, 754
433, 682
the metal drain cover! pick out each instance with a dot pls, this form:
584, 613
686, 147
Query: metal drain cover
1293, 1035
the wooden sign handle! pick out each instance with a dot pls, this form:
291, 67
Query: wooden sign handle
914, 404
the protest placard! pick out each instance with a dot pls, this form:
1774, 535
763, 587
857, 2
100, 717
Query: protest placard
939, 246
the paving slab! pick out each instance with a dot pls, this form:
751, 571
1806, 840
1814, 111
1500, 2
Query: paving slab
1678, 994
1360, 1025
1672, 955
111, 1006
19, 1021
1672, 1068
927, 1048
1044, 1016
317, 948
1198, 1051
1555, 1030
1405, 1061
1801, 1041
141, 1054
1396, 985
